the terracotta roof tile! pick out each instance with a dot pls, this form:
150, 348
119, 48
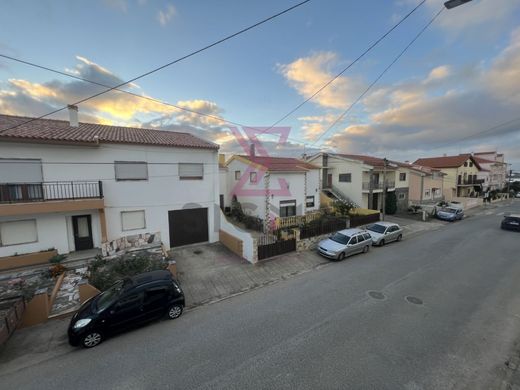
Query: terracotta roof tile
446, 161
281, 163
57, 131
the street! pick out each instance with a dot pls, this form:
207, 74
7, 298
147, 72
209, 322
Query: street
436, 311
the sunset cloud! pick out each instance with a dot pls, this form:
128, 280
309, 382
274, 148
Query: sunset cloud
165, 16
308, 74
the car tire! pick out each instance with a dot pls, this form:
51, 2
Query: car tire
382, 243
399, 237
341, 256
366, 249
175, 311
91, 339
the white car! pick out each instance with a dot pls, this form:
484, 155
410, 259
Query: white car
453, 204
384, 232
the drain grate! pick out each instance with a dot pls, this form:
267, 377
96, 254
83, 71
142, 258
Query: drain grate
376, 295
414, 300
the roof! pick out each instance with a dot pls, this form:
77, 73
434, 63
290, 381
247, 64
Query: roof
58, 131
481, 160
446, 161
485, 152
369, 160
281, 164
424, 169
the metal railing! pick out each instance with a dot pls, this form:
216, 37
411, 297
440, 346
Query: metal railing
470, 181
371, 185
48, 191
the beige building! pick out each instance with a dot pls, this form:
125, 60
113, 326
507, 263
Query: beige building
426, 185
460, 174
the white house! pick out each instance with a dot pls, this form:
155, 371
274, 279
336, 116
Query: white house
73, 186
359, 178
270, 187
493, 172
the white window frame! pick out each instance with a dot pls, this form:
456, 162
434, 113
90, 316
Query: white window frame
288, 204
347, 175
404, 176
2, 224
307, 201
132, 228
427, 194
191, 177
136, 178
401, 196
237, 175
253, 177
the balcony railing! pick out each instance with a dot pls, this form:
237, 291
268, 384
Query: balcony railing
370, 185
470, 181
49, 191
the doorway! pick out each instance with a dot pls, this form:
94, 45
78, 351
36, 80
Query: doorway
375, 201
82, 227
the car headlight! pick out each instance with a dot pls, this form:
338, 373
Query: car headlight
81, 323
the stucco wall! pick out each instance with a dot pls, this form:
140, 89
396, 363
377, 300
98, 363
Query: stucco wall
162, 191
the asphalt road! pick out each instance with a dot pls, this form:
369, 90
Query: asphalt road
323, 330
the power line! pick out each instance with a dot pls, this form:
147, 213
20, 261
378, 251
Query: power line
167, 64
340, 117
365, 52
348, 66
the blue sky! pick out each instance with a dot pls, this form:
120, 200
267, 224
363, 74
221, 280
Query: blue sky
457, 80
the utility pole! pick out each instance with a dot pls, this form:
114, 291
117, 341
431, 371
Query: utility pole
509, 183
383, 202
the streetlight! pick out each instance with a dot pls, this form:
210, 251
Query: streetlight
455, 3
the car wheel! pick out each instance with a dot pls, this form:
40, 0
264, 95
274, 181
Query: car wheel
382, 243
341, 256
399, 237
174, 311
366, 249
91, 339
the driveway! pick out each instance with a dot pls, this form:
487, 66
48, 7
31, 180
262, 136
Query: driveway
211, 272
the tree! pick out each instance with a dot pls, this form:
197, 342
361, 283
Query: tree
391, 203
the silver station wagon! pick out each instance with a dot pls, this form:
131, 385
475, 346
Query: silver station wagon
384, 232
345, 243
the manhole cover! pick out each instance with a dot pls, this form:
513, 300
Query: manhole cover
197, 252
414, 300
376, 295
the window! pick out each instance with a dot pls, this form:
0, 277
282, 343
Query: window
252, 177
361, 238
133, 220
131, 170
367, 236
402, 176
18, 232
309, 201
353, 240
401, 196
191, 171
345, 177
287, 208
466, 164
470, 164
237, 175
427, 193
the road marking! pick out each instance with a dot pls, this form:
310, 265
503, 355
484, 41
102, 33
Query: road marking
502, 213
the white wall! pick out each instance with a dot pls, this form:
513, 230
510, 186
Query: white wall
249, 245
296, 191
162, 191
251, 196
313, 188
353, 189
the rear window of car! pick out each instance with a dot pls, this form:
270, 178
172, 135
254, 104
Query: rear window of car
512, 219
367, 236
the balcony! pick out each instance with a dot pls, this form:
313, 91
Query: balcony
370, 186
470, 181
47, 197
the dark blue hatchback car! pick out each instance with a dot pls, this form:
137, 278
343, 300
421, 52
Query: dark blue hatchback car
128, 303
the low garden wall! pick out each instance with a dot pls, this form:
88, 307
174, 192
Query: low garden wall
121, 244
249, 243
28, 259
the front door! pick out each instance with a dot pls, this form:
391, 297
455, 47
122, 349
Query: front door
375, 201
82, 226
329, 180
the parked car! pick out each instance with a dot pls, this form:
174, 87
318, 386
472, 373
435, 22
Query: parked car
384, 232
450, 214
129, 302
345, 243
511, 222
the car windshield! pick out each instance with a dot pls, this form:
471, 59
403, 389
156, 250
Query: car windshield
340, 238
377, 228
512, 219
108, 297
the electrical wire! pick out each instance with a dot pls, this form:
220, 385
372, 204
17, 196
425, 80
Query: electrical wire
228, 37
344, 113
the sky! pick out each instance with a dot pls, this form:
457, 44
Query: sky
460, 79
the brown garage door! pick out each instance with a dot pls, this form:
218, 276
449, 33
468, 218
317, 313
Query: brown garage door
188, 226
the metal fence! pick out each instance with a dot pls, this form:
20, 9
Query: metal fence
274, 247
323, 227
358, 220
44, 191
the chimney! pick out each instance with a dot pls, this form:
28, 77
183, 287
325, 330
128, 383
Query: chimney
252, 150
221, 159
73, 115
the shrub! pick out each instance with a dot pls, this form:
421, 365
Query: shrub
57, 259
342, 208
104, 273
391, 203
56, 270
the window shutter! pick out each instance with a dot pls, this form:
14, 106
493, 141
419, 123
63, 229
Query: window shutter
18, 232
132, 220
131, 170
191, 171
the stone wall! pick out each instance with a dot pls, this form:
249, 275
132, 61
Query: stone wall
111, 248
309, 243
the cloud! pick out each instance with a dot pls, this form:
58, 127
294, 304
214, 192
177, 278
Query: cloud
426, 118
164, 16
308, 74
119, 5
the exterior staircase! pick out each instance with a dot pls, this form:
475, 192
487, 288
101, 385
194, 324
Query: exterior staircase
336, 195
